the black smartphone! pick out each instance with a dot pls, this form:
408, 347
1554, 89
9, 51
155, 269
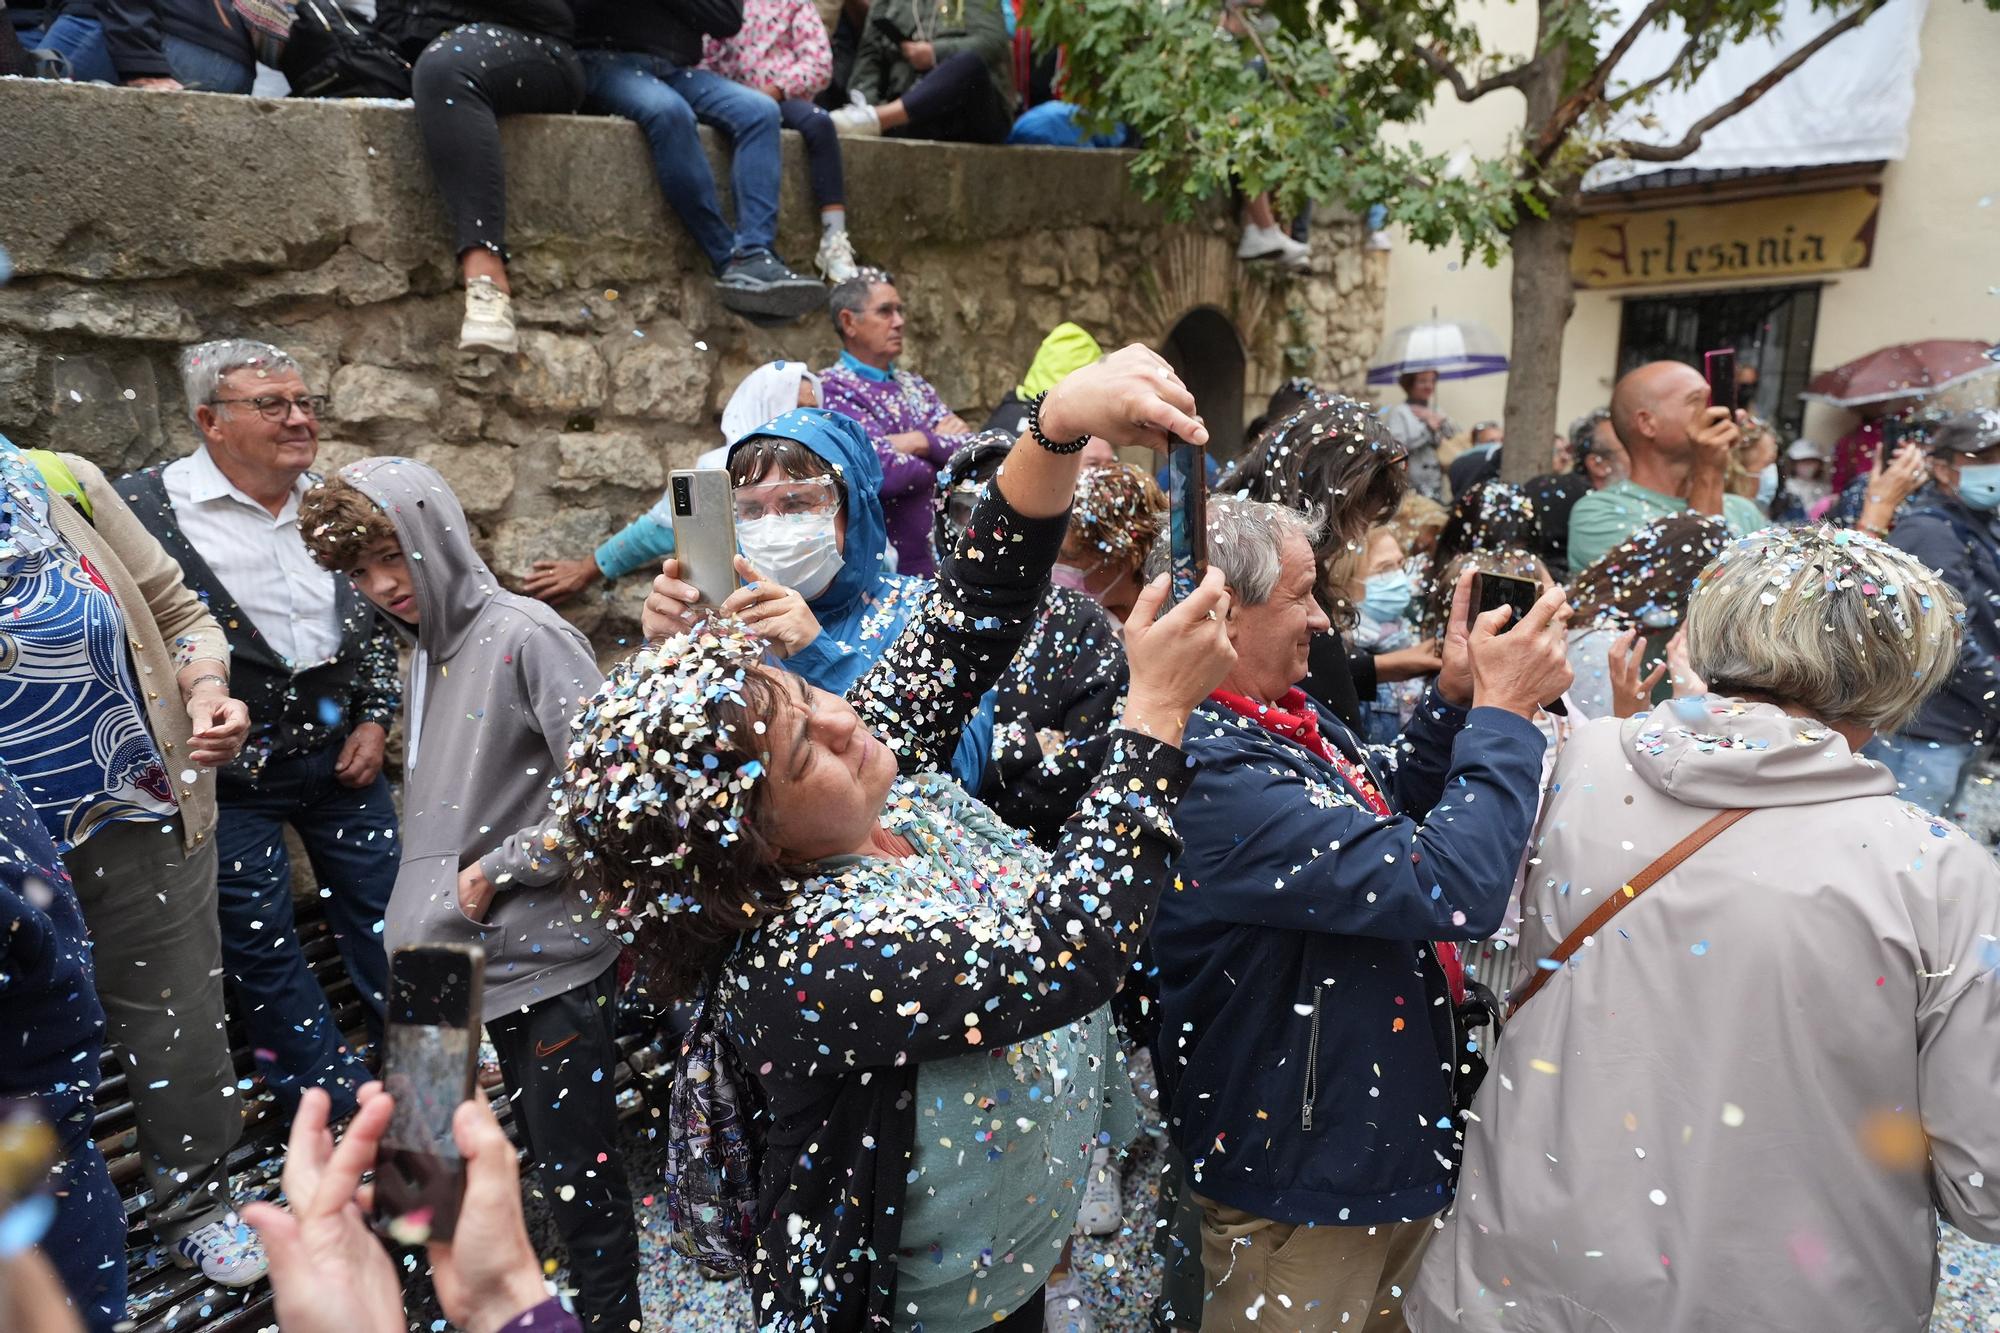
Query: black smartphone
430, 1066
1719, 367
1187, 517
705, 530
1491, 591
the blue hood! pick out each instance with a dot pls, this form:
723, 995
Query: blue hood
844, 444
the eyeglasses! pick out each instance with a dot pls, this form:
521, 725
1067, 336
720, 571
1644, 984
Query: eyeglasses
273, 407
787, 499
888, 309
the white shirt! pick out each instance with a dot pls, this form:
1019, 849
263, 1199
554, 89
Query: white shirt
261, 560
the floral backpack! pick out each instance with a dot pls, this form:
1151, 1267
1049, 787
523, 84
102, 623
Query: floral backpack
713, 1147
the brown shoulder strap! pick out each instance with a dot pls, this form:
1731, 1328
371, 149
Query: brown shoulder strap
1613, 905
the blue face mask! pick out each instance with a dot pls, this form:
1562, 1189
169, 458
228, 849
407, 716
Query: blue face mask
1979, 486
1386, 596
1767, 486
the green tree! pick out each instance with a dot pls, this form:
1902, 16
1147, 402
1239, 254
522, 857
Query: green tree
1305, 121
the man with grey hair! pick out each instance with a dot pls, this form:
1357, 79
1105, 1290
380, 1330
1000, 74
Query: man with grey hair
912, 430
1319, 872
318, 669
1596, 460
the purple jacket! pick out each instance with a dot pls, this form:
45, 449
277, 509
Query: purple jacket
889, 404
548, 1317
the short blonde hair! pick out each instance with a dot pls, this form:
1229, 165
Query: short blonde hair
1829, 620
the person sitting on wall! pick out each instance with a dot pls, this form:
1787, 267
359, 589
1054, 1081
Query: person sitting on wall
932, 69
911, 428
781, 51
165, 45
641, 61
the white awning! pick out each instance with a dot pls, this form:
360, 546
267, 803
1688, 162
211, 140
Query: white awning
1849, 103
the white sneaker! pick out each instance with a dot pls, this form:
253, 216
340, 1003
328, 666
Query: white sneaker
1066, 1306
1269, 243
1102, 1208
228, 1255
489, 319
857, 120
836, 261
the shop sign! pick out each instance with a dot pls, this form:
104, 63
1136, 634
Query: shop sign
1783, 236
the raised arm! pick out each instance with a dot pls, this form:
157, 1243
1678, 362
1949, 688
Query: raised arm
960, 641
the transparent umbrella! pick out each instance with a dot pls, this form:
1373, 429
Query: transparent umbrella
1455, 349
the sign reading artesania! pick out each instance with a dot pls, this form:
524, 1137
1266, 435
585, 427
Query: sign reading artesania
1778, 237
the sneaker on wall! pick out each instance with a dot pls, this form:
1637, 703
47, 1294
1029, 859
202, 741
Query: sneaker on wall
835, 261
489, 319
1269, 243
756, 283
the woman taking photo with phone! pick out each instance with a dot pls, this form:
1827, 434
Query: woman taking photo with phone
917, 990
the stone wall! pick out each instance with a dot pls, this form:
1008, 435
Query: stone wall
139, 222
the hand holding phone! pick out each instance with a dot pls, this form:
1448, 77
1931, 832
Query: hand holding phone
432, 1064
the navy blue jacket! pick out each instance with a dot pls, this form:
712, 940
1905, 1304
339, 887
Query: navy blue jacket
1960, 544
1306, 1029
54, 1027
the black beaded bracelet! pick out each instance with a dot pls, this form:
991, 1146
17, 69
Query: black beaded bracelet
1035, 429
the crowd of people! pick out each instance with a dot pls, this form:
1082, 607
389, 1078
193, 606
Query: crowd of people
953, 849
965, 852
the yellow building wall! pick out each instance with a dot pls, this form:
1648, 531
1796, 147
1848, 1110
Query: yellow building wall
1936, 266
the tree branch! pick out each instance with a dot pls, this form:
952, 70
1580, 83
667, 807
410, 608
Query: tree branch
1564, 118
1442, 66
1645, 152
1472, 92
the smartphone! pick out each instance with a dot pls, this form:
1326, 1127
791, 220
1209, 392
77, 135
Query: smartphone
1719, 367
1187, 517
705, 530
430, 1066
1491, 591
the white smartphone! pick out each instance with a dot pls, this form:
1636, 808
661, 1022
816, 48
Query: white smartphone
705, 530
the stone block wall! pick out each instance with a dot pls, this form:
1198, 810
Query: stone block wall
139, 222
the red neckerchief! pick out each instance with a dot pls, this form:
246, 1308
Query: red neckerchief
1295, 718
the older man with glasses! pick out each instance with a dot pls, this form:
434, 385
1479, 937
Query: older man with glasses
907, 421
318, 669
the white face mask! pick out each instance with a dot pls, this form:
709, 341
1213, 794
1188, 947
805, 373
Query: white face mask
797, 550
1767, 485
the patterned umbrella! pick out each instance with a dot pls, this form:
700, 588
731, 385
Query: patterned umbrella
1907, 370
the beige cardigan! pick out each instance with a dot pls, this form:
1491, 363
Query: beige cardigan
168, 626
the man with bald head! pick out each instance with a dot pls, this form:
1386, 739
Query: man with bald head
1679, 449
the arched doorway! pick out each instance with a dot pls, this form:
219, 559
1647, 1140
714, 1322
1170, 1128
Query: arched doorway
1205, 351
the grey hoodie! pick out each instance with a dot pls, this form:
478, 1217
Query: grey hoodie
503, 678
1744, 1104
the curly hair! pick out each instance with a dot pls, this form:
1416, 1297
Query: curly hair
664, 797
1119, 512
339, 523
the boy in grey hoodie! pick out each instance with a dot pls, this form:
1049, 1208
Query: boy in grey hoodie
493, 683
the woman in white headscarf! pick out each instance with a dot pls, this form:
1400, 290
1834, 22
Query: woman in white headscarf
768, 392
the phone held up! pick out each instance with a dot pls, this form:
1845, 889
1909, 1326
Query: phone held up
1187, 518
1719, 368
705, 530
1491, 591
431, 1066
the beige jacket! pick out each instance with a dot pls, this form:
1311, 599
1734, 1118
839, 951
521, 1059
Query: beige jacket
1744, 1104
168, 624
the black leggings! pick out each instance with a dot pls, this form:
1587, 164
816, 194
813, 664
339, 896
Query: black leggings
956, 102
822, 149
463, 83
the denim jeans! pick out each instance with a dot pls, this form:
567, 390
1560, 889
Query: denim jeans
823, 167
81, 42
1927, 772
668, 101
350, 838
